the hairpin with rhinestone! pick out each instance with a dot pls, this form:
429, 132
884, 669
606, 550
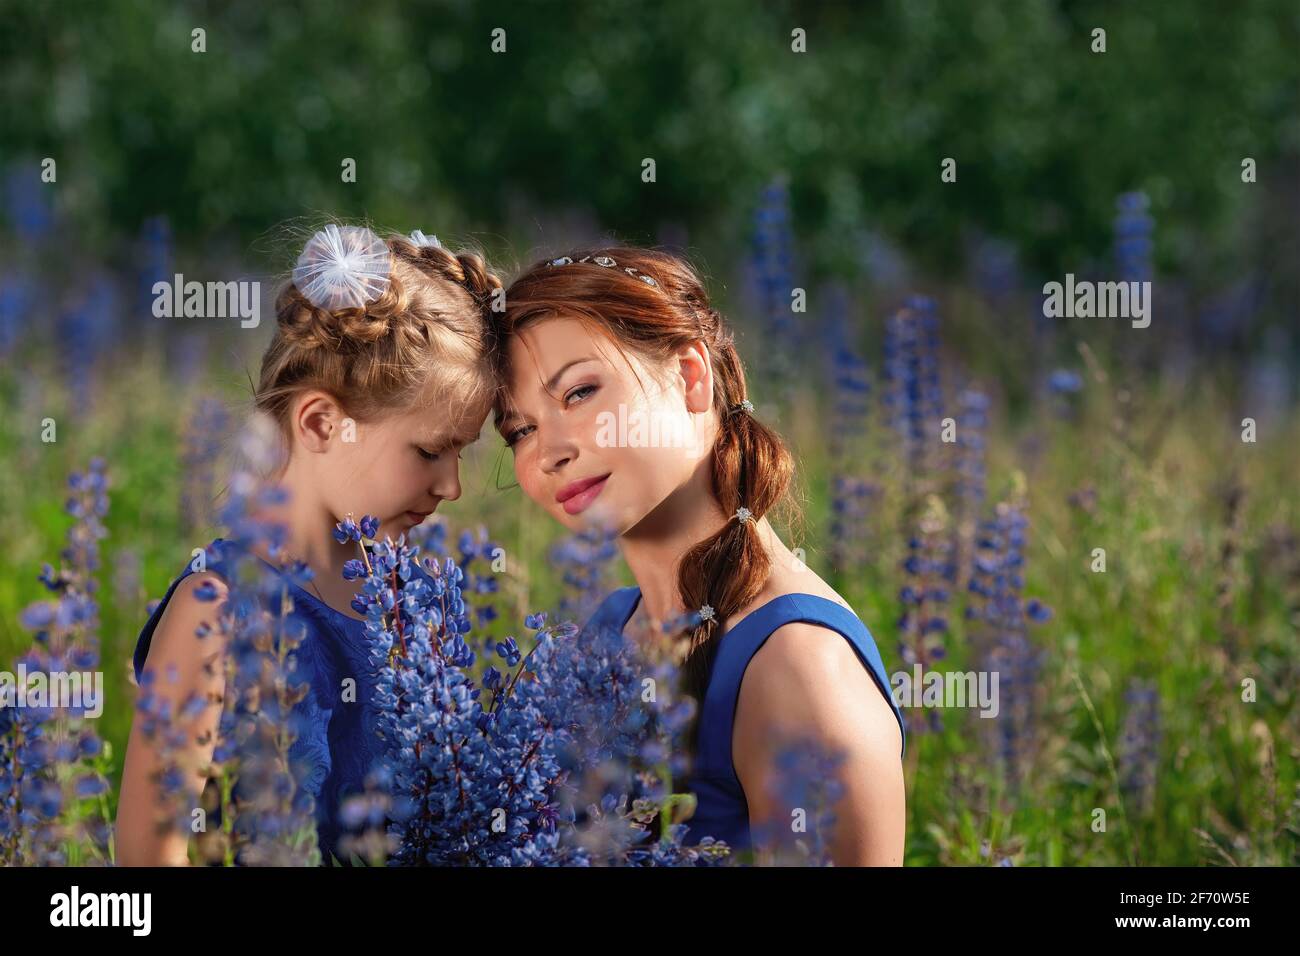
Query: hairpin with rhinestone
745, 515
744, 405
689, 620
605, 262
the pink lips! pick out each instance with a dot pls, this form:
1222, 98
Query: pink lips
577, 495
417, 517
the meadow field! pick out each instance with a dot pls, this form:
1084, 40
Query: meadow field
1097, 510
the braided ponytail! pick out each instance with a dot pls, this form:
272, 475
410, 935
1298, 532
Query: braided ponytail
751, 469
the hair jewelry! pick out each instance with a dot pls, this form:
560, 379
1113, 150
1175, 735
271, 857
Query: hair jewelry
606, 262
342, 267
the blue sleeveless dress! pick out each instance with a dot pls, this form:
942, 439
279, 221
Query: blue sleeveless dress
334, 750
721, 809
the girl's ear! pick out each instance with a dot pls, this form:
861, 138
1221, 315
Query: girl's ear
695, 366
317, 420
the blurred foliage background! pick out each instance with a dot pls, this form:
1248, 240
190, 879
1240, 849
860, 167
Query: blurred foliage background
1044, 130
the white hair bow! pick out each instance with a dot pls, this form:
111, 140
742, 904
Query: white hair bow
342, 267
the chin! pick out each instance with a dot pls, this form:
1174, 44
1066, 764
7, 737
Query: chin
619, 520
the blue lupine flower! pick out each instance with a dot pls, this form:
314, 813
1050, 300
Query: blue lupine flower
509, 650
923, 622
852, 493
347, 530
1139, 745
17, 296
497, 778
773, 269
157, 259
969, 476
585, 562
996, 267
803, 792
913, 397
28, 201
1133, 243
271, 746
83, 329
51, 769
1064, 381
1000, 635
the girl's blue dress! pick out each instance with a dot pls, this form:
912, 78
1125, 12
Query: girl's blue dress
334, 749
721, 809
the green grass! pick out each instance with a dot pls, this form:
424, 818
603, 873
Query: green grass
1176, 604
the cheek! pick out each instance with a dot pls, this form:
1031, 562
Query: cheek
526, 473
383, 468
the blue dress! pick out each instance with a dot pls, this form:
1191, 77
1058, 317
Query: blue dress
721, 809
335, 748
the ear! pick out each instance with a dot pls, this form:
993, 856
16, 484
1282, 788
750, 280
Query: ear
695, 366
316, 420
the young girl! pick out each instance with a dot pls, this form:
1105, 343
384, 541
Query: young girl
626, 407
377, 377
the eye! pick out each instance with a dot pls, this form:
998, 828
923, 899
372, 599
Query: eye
515, 436
433, 455
581, 390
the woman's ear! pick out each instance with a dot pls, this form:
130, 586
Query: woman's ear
695, 366
317, 420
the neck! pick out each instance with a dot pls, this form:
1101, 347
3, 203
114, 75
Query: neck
309, 528
654, 547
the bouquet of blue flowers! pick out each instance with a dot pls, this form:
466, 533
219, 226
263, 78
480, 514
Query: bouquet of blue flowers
559, 752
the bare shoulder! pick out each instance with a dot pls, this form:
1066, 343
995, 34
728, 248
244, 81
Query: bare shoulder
807, 678
807, 659
186, 633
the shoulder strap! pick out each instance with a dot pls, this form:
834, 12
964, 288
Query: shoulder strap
216, 562
740, 644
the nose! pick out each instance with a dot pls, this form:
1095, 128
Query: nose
555, 446
556, 456
447, 485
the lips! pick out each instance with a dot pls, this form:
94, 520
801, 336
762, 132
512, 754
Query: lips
418, 516
577, 495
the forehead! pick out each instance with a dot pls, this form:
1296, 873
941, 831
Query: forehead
443, 424
545, 345
543, 348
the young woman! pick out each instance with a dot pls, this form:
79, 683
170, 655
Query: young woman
626, 406
376, 377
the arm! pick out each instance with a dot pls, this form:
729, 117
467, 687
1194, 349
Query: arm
199, 671
807, 681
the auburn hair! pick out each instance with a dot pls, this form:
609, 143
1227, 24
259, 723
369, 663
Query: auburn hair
751, 466
424, 340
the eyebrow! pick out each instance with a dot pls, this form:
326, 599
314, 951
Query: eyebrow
550, 386
435, 441
555, 379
